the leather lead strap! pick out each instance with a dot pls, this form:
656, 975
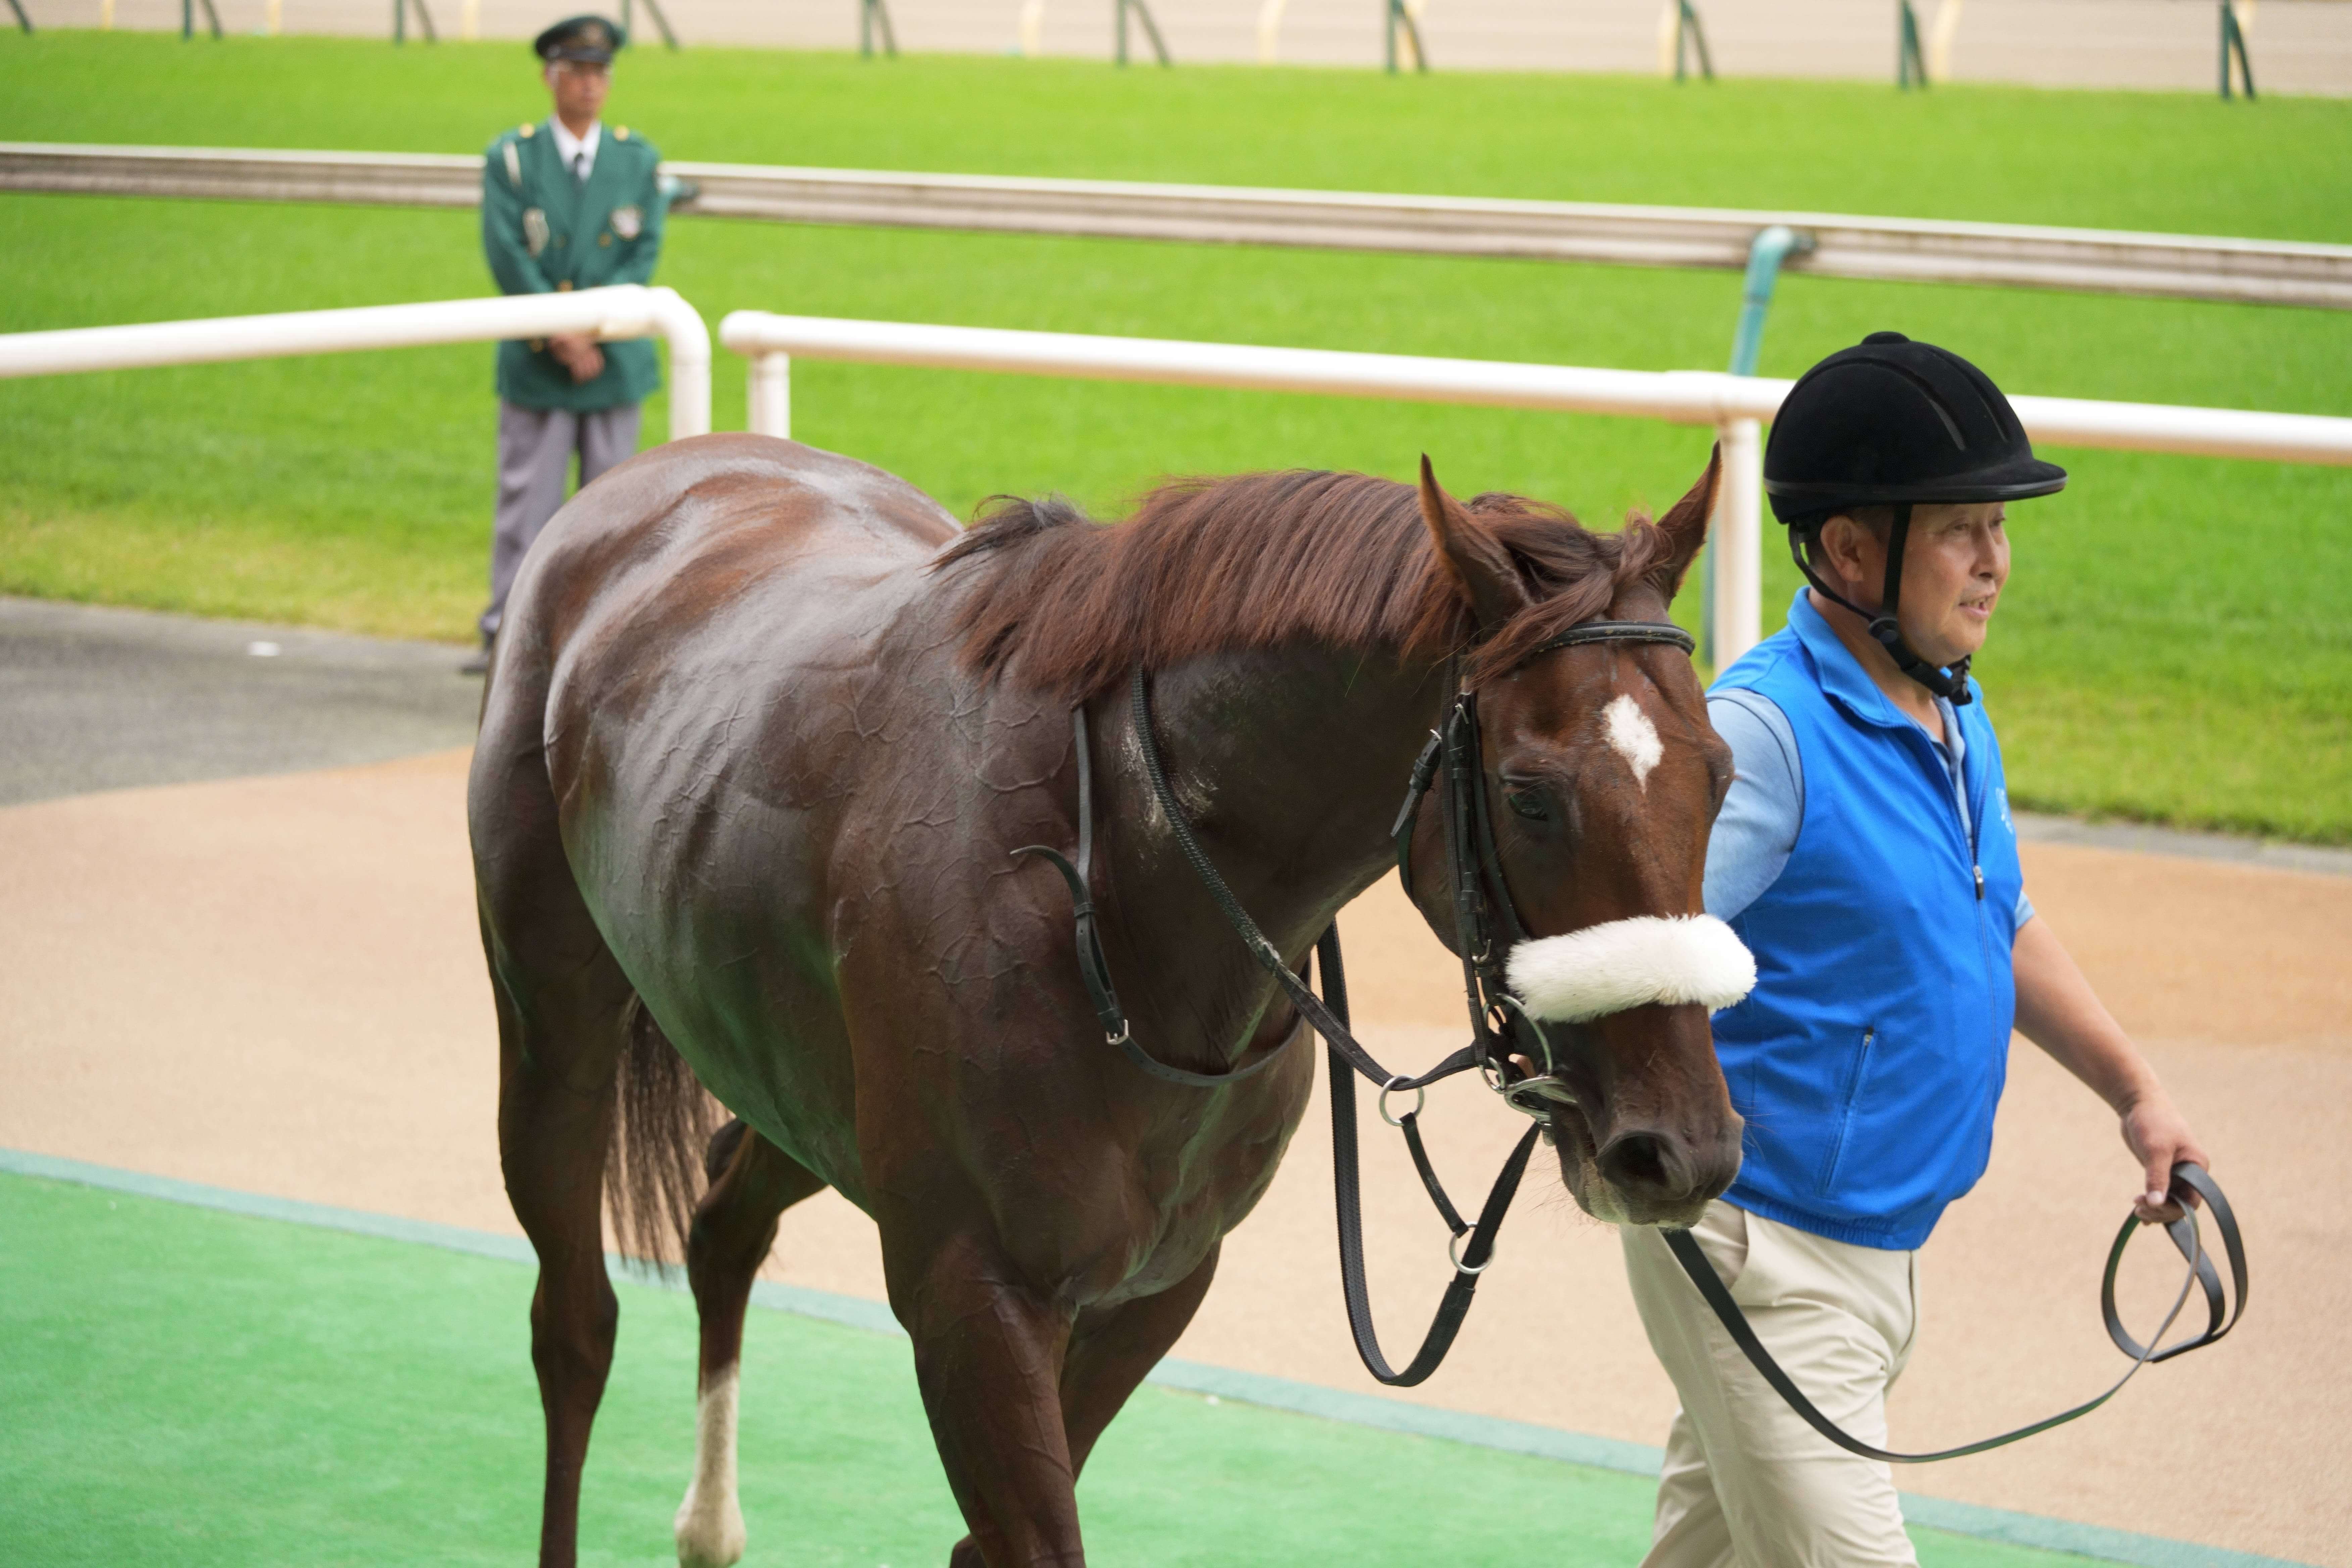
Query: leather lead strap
2187, 1179
1347, 1196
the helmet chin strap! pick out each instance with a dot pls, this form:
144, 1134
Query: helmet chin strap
1952, 684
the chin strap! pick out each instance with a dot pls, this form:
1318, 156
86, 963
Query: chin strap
1952, 684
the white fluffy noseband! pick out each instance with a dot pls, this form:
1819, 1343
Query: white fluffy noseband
1609, 968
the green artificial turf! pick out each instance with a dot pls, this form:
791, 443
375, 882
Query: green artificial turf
2172, 646
187, 1386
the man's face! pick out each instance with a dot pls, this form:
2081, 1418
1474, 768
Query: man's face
578, 88
1955, 563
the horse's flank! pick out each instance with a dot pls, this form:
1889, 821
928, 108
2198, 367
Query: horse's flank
1260, 562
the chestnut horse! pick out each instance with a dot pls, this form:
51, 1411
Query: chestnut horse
764, 728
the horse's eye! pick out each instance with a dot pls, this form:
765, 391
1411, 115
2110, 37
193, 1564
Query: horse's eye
1527, 803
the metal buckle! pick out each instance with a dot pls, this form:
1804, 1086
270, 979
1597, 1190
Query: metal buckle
1421, 1099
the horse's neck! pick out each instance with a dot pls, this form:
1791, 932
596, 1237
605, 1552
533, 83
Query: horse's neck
1289, 767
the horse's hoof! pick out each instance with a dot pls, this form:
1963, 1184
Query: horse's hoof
709, 1536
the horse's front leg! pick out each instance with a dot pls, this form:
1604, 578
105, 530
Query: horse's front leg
1113, 1349
987, 1355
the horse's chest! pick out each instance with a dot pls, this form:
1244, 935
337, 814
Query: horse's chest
1184, 1195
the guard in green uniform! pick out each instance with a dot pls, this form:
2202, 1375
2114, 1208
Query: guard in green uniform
568, 203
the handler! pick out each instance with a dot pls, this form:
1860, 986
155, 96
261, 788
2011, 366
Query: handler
1866, 857
565, 204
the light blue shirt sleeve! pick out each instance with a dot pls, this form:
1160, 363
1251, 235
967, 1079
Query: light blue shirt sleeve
1757, 830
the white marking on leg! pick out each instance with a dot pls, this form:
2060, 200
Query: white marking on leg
709, 1525
1635, 738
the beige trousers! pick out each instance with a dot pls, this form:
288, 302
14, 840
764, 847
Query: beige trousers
1746, 1481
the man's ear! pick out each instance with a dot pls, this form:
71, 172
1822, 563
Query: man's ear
1479, 566
1684, 526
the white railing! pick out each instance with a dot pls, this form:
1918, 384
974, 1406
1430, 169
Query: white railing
1734, 406
2195, 267
623, 310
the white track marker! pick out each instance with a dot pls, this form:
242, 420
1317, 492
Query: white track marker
1032, 27
469, 20
1939, 40
1269, 29
709, 1524
1669, 22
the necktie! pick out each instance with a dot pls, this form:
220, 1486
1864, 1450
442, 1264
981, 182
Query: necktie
580, 167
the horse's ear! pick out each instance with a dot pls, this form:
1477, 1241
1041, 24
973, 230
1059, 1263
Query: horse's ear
1685, 527
1478, 564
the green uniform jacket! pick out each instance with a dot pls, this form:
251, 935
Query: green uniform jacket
545, 232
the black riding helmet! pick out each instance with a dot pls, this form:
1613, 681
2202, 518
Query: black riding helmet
1891, 422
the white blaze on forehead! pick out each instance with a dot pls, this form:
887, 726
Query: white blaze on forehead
709, 1523
1634, 737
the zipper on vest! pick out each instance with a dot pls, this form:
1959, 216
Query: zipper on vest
1980, 871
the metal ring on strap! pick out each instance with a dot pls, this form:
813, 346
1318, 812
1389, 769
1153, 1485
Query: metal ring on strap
1453, 1253
1421, 1099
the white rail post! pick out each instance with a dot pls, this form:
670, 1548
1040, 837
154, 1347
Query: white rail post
1738, 542
689, 363
771, 395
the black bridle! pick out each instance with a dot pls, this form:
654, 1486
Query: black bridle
1487, 926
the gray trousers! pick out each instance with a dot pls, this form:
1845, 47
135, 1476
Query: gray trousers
535, 448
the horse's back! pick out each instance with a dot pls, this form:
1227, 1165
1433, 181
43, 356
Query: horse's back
662, 724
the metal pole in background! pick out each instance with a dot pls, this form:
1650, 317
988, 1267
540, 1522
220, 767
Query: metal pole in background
22, 20
1910, 63
661, 23
1151, 30
2233, 35
1732, 594
872, 13
1687, 29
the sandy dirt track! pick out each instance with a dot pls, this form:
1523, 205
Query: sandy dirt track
274, 985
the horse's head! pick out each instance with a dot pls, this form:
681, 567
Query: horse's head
1602, 778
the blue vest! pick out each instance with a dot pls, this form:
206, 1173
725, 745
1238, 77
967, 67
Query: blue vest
1870, 1056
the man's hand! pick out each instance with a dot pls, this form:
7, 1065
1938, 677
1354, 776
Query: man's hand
579, 355
2159, 1137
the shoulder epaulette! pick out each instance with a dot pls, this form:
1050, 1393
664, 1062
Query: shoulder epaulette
526, 129
619, 133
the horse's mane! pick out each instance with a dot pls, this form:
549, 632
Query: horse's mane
1263, 561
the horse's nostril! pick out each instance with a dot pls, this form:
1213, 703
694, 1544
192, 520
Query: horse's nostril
1641, 1162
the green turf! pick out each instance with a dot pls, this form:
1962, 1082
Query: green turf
186, 1386
2172, 647
2123, 160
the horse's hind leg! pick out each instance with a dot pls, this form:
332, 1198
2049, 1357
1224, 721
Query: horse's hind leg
751, 1182
563, 1008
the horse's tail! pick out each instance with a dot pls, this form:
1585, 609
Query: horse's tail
663, 1120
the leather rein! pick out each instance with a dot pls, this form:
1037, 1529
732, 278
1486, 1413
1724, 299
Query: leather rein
1487, 926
